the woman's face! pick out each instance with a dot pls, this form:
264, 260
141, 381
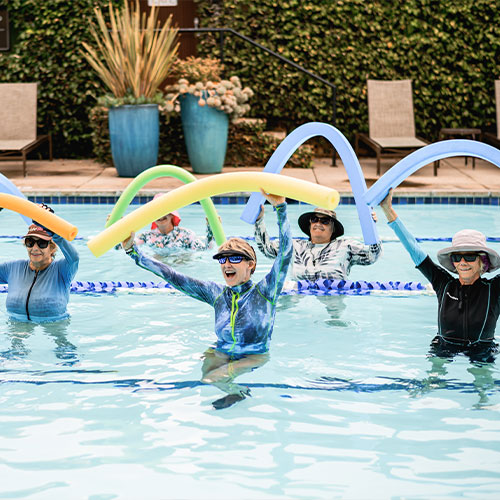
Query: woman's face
40, 258
165, 224
468, 270
237, 273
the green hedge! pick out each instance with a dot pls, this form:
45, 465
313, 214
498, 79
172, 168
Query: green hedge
449, 49
46, 37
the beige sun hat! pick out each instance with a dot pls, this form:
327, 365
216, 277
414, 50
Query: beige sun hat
468, 240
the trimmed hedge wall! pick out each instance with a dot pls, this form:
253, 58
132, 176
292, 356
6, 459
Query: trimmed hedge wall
449, 49
46, 36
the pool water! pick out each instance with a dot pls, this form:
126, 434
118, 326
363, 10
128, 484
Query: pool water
109, 405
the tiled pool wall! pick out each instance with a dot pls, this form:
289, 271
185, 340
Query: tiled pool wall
241, 200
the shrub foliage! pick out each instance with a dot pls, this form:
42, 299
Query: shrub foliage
449, 49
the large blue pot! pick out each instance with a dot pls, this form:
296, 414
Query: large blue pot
134, 134
205, 132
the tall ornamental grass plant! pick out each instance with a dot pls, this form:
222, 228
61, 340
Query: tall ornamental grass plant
132, 56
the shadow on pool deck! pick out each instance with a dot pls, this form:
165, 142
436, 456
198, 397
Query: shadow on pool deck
86, 177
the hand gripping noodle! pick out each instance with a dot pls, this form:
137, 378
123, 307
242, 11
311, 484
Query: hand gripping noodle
166, 171
224, 183
42, 216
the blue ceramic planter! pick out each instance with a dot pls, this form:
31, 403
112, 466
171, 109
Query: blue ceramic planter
205, 132
134, 134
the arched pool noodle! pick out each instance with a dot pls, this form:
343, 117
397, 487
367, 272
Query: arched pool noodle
224, 183
166, 171
423, 156
33, 211
7, 187
349, 159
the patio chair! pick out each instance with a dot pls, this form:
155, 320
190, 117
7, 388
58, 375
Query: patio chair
391, 121
18, 132
489, 137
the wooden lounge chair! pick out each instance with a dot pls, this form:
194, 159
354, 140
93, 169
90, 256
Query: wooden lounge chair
391, 121
489, 137
18, 127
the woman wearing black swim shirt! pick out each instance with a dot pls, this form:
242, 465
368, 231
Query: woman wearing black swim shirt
469, 305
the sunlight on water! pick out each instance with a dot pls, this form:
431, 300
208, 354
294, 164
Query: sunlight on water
110, 405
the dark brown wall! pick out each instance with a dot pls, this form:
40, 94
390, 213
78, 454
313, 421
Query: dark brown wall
183, 17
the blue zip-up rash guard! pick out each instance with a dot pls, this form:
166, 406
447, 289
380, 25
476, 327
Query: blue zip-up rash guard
244, 314
40, 296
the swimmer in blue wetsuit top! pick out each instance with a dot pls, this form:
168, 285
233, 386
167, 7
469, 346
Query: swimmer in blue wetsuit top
244, 310
469, 305
39, 287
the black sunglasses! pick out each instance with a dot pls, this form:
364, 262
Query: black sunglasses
233, 259
30, 242
322, 220
468, 257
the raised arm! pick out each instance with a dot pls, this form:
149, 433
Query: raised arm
264, 244
407, 239
271, 286
69, 266
206, 291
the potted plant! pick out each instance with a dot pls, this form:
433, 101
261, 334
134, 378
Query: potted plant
133, 56
206, 103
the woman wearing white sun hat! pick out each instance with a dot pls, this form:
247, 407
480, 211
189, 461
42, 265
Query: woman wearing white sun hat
469, 305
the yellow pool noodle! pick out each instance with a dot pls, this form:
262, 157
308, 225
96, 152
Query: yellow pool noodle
281, 185
44, 217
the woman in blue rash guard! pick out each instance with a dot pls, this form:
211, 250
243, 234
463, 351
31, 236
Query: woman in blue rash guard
39, 287
244, 310
468, 306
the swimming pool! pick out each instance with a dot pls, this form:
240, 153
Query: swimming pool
349, 406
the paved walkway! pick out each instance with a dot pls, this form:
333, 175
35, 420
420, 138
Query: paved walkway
86, 177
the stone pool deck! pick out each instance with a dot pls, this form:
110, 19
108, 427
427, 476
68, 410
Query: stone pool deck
88, 178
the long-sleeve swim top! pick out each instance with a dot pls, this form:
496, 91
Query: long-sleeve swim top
40, 296
179, 238
244, 314
312, 262
467, 313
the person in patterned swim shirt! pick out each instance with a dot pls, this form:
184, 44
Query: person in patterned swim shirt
244, 310
166, 236
326, 254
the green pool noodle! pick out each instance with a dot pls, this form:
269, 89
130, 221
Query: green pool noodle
166, 171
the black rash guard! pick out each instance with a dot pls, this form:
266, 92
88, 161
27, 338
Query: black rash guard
467, 314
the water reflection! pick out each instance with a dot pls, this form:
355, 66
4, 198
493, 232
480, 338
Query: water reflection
335, 306
18, 333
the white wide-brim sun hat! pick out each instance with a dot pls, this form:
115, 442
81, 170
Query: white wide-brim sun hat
468, 240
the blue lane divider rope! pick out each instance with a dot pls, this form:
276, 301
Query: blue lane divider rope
301, 287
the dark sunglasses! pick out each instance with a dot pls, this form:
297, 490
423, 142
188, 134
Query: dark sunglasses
31, 242
322, 220
468, 257
233, 259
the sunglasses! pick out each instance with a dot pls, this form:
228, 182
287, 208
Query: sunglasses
233, 259
31, 242
322, 220
468, 257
